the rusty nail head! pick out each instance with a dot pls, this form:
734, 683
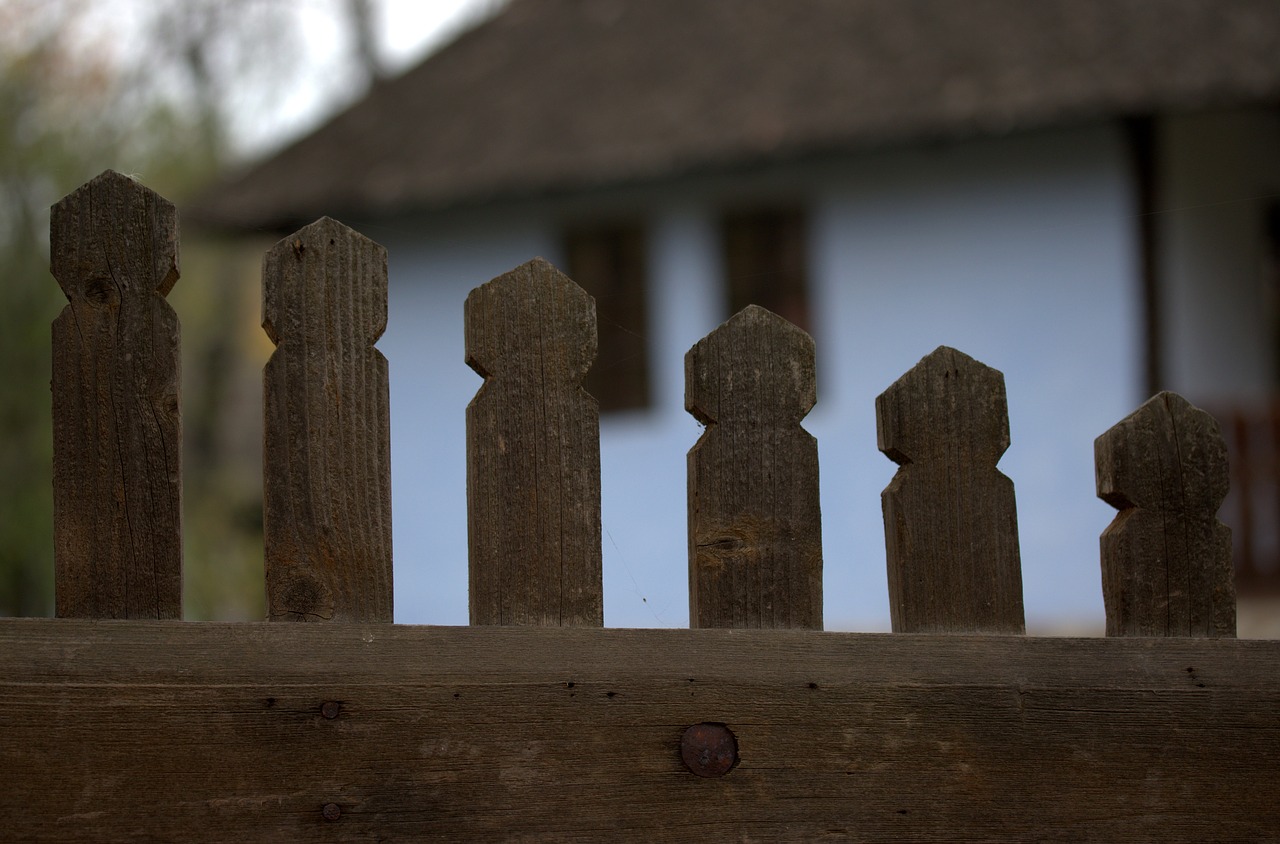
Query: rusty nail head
331, 811
330, 709
709, 750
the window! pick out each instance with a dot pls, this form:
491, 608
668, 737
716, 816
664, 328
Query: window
765, 262
609, 263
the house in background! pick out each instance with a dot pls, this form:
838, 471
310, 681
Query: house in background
1083, 194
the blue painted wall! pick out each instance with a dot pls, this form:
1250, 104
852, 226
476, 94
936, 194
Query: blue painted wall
1019, 251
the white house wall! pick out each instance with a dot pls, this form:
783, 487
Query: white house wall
1020, 253
432, 268
1017, 251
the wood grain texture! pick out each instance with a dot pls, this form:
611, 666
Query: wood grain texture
533, 452
1166, 559
327, 446
755, 527
117, 430
950, 520
128, 731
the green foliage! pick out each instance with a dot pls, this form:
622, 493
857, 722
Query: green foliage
70, 108
38, 156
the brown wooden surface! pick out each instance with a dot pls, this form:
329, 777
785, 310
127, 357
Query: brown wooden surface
950, 524
327, 440
117, 432
533, 452
163, 731
1166, 559
755, 529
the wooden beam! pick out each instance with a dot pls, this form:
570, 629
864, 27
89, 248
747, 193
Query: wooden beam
123, 730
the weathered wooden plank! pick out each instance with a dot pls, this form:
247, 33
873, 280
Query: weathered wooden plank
327, 434
755, 528
533, 452
117, 431
120, 731
950, 521
1166, 559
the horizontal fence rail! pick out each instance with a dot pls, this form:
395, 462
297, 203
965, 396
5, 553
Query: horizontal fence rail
340, 732
534, 722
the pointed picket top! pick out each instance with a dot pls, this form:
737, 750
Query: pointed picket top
335, 269
117, 474
533, 452
950, 520
755, 527
327, 451
109, 222
1166, 559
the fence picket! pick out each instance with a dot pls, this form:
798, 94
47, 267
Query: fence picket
951, 529
327, 454
117, 475
98, 716
533, 452
1166, 559
755, 529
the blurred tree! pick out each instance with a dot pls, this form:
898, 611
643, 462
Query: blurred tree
152, 95
42, 92
360, 15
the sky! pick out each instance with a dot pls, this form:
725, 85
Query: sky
311, 63
407, 30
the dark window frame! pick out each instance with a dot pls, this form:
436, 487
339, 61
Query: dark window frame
610, 261
766, 260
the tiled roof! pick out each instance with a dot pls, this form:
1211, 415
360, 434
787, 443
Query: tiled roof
565, 95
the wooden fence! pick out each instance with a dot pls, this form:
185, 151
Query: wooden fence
118, 722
